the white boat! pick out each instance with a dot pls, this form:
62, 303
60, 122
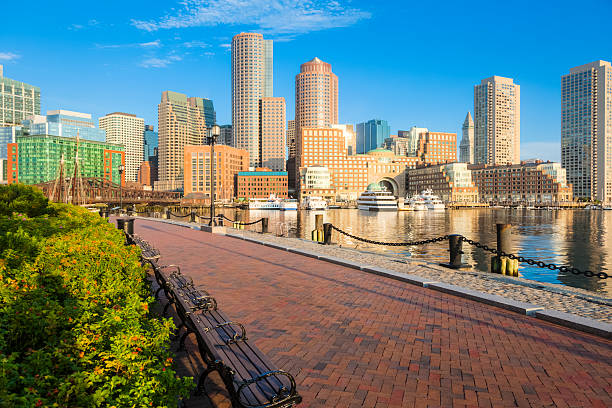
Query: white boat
377, 198
289, 204
270, 203
416, 203
432, 201
314, 203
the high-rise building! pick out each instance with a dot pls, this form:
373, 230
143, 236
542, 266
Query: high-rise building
228, 162
316, 99
466, 148
412, 137
586, 130
437, 147
64, 123
252, 73
150, 138
18, 100
291, 143
126, 129
272, 131
181, 122
8, 135
497, 117
225, 135
371, 135
350, 140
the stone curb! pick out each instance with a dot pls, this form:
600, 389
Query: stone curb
575, 322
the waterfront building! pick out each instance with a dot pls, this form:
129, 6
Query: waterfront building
406, 142
452, 182
64, 123
18, 100
291, 143
371, 135
272, 148
466, 148
225, 135
252, 76
497, 121
316, 98
34, 159
147, 173
525, 183
8, 135
181, 121
229, 161
350, 175
261, 183
350, 139
150, 142
317, 183
586, 130
398, 145
128, 130
437, 147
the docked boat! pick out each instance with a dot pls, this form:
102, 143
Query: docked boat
270, 203
432, 201
416, 203
314, 203
289, 204
377, 198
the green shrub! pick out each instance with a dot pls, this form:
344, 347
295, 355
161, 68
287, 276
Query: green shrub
75, 327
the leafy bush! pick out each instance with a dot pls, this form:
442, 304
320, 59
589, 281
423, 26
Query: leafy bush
75, 327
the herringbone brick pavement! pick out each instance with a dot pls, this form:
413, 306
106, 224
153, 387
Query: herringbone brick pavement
353, 339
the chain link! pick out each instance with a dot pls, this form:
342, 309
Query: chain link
521, 259
239, 222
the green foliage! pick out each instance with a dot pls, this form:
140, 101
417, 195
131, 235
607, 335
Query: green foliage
19, 198
75, 327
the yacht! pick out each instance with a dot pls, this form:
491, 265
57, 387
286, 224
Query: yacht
314, 203
270, 203
289, 204
416, 203
377, 198
432, 201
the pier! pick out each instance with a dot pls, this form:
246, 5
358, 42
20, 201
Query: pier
354, 339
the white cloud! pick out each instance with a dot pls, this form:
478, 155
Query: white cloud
196, 44
541, 150
8, 56
269, 16
150, 44
155, 43
155, 62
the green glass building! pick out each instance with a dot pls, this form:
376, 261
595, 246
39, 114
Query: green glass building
18, 100
38, 158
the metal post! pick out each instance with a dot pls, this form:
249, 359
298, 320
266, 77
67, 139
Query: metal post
327, 233
212, 138
121, 168
167, 213
193, 216
264, 225
121, 224
129, 226
455, 246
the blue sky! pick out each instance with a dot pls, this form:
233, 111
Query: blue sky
411, 63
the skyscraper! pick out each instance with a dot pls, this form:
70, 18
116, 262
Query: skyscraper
272, 132
497, 115
252, 73
316, 101
291, 138
371, 135
64, 123
18, 100
181, 122
150, 137
586, 130
466, 149
127, 130
225, 135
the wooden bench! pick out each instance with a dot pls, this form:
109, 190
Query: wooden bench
251, 379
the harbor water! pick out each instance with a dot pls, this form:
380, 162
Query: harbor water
578, 238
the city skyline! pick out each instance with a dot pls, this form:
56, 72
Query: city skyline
145, 48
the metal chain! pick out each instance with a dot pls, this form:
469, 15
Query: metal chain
241, 223
539, 264
369, 241
532, 262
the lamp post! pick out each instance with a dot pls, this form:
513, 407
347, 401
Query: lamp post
212, 139
121, 169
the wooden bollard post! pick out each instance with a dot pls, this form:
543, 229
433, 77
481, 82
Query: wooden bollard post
500, 264
193, 216
327, 232
319, 227
264, 225
167, 213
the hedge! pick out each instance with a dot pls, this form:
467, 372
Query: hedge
75, 323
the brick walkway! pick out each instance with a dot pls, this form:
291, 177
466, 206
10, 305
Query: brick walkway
353, 339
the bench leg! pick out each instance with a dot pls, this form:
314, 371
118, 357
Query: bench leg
183, 338
157, 292
201, 388
166, 307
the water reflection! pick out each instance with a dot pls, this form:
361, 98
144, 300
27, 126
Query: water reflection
574, 237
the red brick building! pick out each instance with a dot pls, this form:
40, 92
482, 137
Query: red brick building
261, 183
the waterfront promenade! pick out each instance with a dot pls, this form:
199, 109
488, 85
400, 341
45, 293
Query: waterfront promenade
354, 339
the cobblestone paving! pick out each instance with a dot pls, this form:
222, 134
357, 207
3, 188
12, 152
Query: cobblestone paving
551, 296
354, 339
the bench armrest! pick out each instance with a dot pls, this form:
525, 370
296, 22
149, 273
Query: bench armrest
236, 337
282, 394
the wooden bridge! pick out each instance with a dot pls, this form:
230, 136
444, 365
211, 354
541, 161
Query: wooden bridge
98, 190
